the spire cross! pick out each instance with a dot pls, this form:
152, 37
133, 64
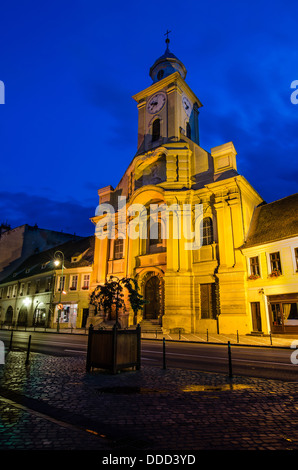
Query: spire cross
167, 34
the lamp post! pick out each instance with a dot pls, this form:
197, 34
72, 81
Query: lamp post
57, 262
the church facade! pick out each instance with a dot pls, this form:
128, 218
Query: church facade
192, 289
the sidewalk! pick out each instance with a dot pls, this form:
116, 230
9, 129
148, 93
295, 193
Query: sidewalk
247, 340
53, 404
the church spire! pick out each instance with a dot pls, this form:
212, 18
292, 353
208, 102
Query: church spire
167, 40
167, 64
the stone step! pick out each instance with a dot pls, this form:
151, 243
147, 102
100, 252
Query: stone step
150, 326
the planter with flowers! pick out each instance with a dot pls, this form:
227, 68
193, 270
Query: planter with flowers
275, 273
254, 276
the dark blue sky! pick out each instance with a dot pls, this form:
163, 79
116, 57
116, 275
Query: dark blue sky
70, 68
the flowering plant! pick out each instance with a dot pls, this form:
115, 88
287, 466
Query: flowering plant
275, 273
254, 276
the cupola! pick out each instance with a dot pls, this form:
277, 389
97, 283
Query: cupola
165, 65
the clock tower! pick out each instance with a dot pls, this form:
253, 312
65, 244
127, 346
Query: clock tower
168, 109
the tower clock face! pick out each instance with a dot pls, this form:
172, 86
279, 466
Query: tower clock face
186, 105
156, 103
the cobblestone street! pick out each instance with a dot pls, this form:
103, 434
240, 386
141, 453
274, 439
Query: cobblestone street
53, 404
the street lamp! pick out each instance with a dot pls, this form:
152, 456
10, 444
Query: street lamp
57, 262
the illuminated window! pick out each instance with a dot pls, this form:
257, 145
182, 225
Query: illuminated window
74, 282
155, 130
61, 283
86, 281
207, 231
254, 265
118, 248
275, 262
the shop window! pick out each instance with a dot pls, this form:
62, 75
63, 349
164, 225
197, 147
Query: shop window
290, 312
276, 314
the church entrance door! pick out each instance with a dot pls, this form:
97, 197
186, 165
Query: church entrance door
152, 295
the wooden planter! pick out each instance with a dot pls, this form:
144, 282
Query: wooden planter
114, 349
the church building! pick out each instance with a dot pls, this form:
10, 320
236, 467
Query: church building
195, 289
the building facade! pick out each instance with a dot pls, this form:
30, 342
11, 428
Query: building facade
191, 289
31, 295
17, 244
271, 252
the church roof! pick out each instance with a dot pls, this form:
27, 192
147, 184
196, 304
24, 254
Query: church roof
165, 65
277, 220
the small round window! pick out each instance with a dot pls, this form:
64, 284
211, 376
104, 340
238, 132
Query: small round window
160, 74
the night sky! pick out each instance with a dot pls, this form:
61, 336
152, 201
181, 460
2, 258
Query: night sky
69, 124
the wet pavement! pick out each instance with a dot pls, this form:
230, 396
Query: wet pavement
53, 404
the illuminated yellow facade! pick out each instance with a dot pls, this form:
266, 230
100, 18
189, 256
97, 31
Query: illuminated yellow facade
195, 289
271, 252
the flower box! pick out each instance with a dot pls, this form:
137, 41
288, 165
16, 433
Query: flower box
275, 273
254, 276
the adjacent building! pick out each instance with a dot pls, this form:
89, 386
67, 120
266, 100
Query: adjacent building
19, 243
271, 252
50, 289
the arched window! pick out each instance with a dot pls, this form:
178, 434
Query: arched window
207, 231
188, 130
155, 130
118, 248
155, 233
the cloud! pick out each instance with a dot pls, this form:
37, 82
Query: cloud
70, 217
